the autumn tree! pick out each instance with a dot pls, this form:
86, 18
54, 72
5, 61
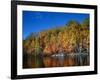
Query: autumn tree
72, 37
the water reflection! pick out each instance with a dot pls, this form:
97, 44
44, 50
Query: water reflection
31, 61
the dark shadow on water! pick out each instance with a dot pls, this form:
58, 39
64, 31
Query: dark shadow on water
31, 61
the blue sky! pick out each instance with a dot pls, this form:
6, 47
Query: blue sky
35, 21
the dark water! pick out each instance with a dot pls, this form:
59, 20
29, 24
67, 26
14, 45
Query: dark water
31, 61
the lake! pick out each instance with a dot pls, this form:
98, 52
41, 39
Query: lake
57, 60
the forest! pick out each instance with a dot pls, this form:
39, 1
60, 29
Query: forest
73, 37
66, 45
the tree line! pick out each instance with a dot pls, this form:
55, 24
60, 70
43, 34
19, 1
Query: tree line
73, 37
